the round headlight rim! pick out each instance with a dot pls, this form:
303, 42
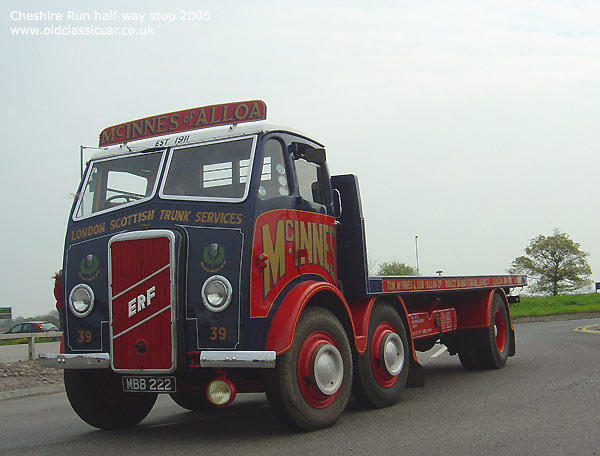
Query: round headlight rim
74, 310
228, 289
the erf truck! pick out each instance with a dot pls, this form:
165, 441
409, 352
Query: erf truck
207, 254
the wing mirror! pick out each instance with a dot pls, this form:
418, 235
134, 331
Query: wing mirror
308, 153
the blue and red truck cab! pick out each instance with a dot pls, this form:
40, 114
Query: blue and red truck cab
208, 254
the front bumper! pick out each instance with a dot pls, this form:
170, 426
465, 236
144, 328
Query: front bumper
260, 359
75, 361
264, 359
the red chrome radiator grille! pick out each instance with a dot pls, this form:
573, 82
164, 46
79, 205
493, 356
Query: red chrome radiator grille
142, 328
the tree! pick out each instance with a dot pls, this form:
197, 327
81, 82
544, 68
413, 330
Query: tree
396, 268
556, 262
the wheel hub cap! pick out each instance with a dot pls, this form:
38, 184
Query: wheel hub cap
328, 369
392, 354
500, 331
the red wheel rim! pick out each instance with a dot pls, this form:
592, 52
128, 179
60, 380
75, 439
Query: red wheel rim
377, 362
500, 325
305, 369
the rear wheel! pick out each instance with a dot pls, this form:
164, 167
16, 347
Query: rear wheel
98, 399
488, 348
497, 338
468, 354
311, 383
380, 373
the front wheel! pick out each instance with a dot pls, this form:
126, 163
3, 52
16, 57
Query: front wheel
195, 402
97, 397
311, 383
380, 372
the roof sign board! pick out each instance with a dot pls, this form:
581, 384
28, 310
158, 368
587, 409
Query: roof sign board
5, 313
188, 119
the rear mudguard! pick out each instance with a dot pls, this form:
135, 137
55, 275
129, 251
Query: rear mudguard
473, 311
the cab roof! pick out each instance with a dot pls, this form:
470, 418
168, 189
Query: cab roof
192, 137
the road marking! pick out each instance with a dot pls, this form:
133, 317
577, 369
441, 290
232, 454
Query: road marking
439, 352
592, 329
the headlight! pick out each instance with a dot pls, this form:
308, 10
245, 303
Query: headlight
221, 392
216, 293
81, 300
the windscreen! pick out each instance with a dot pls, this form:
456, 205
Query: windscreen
118, 181
213, 171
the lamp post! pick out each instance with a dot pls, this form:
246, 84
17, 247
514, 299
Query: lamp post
417, 252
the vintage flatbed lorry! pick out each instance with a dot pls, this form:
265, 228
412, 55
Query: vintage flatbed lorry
204, 258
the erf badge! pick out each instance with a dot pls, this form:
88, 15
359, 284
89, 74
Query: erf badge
213, 258
89, 268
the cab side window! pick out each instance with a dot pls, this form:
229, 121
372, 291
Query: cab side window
310, 181
273, 178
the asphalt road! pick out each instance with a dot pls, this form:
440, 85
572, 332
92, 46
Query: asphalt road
546, 401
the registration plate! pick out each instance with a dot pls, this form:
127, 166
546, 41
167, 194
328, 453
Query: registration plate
149, 384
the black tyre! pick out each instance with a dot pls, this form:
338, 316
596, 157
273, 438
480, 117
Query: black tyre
488, 348
192, 401
380, 373
310, 385
97, 397
469, 353
497, 339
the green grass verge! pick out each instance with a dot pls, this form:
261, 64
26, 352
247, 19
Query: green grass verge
25, 340
555, 305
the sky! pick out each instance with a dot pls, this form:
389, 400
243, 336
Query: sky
470, 124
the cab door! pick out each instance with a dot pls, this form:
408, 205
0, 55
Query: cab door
294, 233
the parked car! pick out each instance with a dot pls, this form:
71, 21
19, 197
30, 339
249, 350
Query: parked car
32, 327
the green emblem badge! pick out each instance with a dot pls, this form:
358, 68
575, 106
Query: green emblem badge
89, 267
213, 258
